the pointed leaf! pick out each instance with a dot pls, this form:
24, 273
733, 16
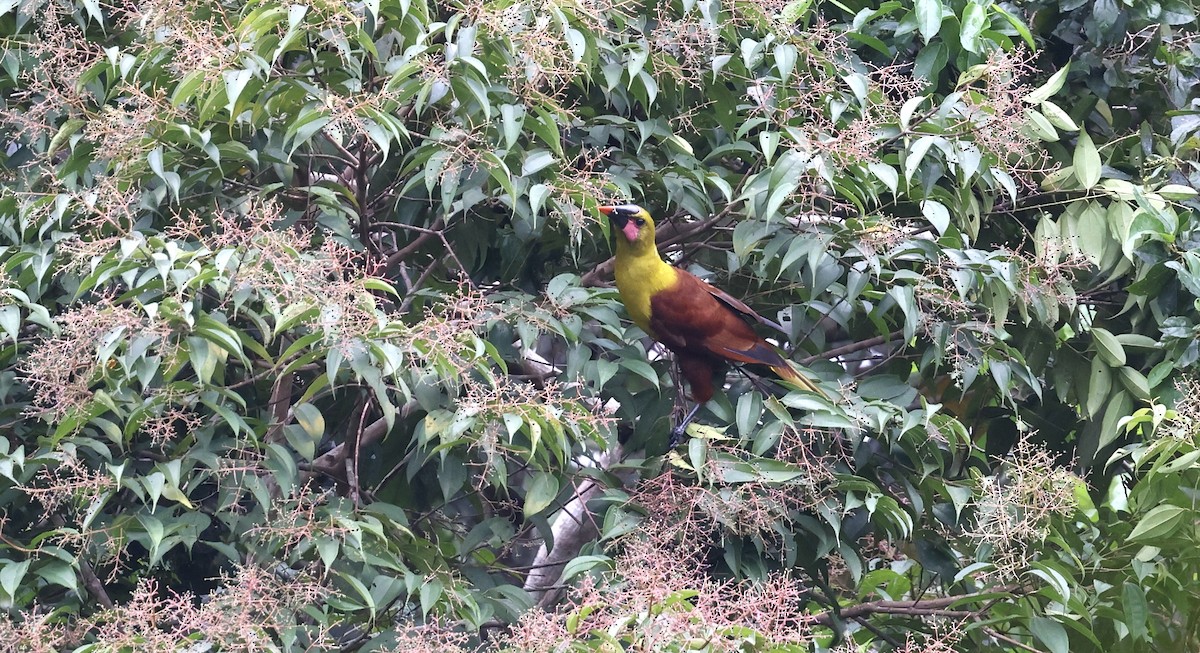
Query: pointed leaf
1087, 161
929, 18
1159, 522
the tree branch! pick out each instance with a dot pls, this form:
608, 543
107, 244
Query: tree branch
402, 254
573, 526
670, 233
439, 232
852, 347
90, 580
332, 463
920, 607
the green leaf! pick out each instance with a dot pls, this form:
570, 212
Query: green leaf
974, 19
379, 285
931, 61
937, 214
327, 549
910, 107
1119, 407
915, 154
929, 18
204, 357
885, 173
59, 573
1176, 192
577, 42
1108, 347
1160, 522
1051, 633
1056, 580
540, 491
641, 368
538, 193
1017, 24
1042, 128
794, 11
906, 300
68, 129
581, 564
361, 590
1135, 610
1137, 340
768, 142
785, 177
547, 127
1083, 499
93, 10
10, 322
306, 434
785, 60
1099, 385
1086, 161
170, 491
235, 83
1135, 382
535, 161
512, 117
154, 484
1058, 117
1047, 90
310, 121
154, 535
221, 335
11, 576
431, 591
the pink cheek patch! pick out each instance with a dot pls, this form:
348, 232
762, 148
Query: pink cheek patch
630, 230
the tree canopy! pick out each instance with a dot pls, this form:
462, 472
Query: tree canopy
308, 340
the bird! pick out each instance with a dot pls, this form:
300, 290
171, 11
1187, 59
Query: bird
705, 327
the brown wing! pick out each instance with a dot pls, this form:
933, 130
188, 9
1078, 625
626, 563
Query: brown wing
692, 318
741, 307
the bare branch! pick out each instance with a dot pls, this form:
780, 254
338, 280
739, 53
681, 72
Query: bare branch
852, 347
940, 607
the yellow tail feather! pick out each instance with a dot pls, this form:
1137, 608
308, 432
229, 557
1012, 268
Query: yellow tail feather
793, 376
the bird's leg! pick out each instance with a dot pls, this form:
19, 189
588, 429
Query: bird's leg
681, 428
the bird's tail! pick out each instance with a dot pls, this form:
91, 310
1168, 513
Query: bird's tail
796, 378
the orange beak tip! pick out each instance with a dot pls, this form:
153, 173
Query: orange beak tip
606, 210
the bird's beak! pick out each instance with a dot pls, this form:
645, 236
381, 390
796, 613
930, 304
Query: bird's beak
622, 222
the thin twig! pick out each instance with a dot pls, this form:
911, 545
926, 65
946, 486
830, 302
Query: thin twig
90, 580
852, 347
347, 156
1008, 640
402, 254
441, 234
671, 233
928, 607
412, 290
352, 459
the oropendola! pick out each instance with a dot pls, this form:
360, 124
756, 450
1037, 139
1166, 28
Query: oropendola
704, 326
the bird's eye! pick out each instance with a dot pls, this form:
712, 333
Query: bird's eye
640, 222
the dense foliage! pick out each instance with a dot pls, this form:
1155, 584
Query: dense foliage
307, 340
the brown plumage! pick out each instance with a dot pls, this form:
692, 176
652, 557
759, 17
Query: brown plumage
705, 327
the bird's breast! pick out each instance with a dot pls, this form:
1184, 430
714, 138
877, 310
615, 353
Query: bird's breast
638, 281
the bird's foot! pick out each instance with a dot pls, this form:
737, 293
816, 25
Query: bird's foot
677, 434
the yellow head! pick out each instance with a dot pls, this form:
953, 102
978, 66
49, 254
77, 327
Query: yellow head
633, 225
640, 271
